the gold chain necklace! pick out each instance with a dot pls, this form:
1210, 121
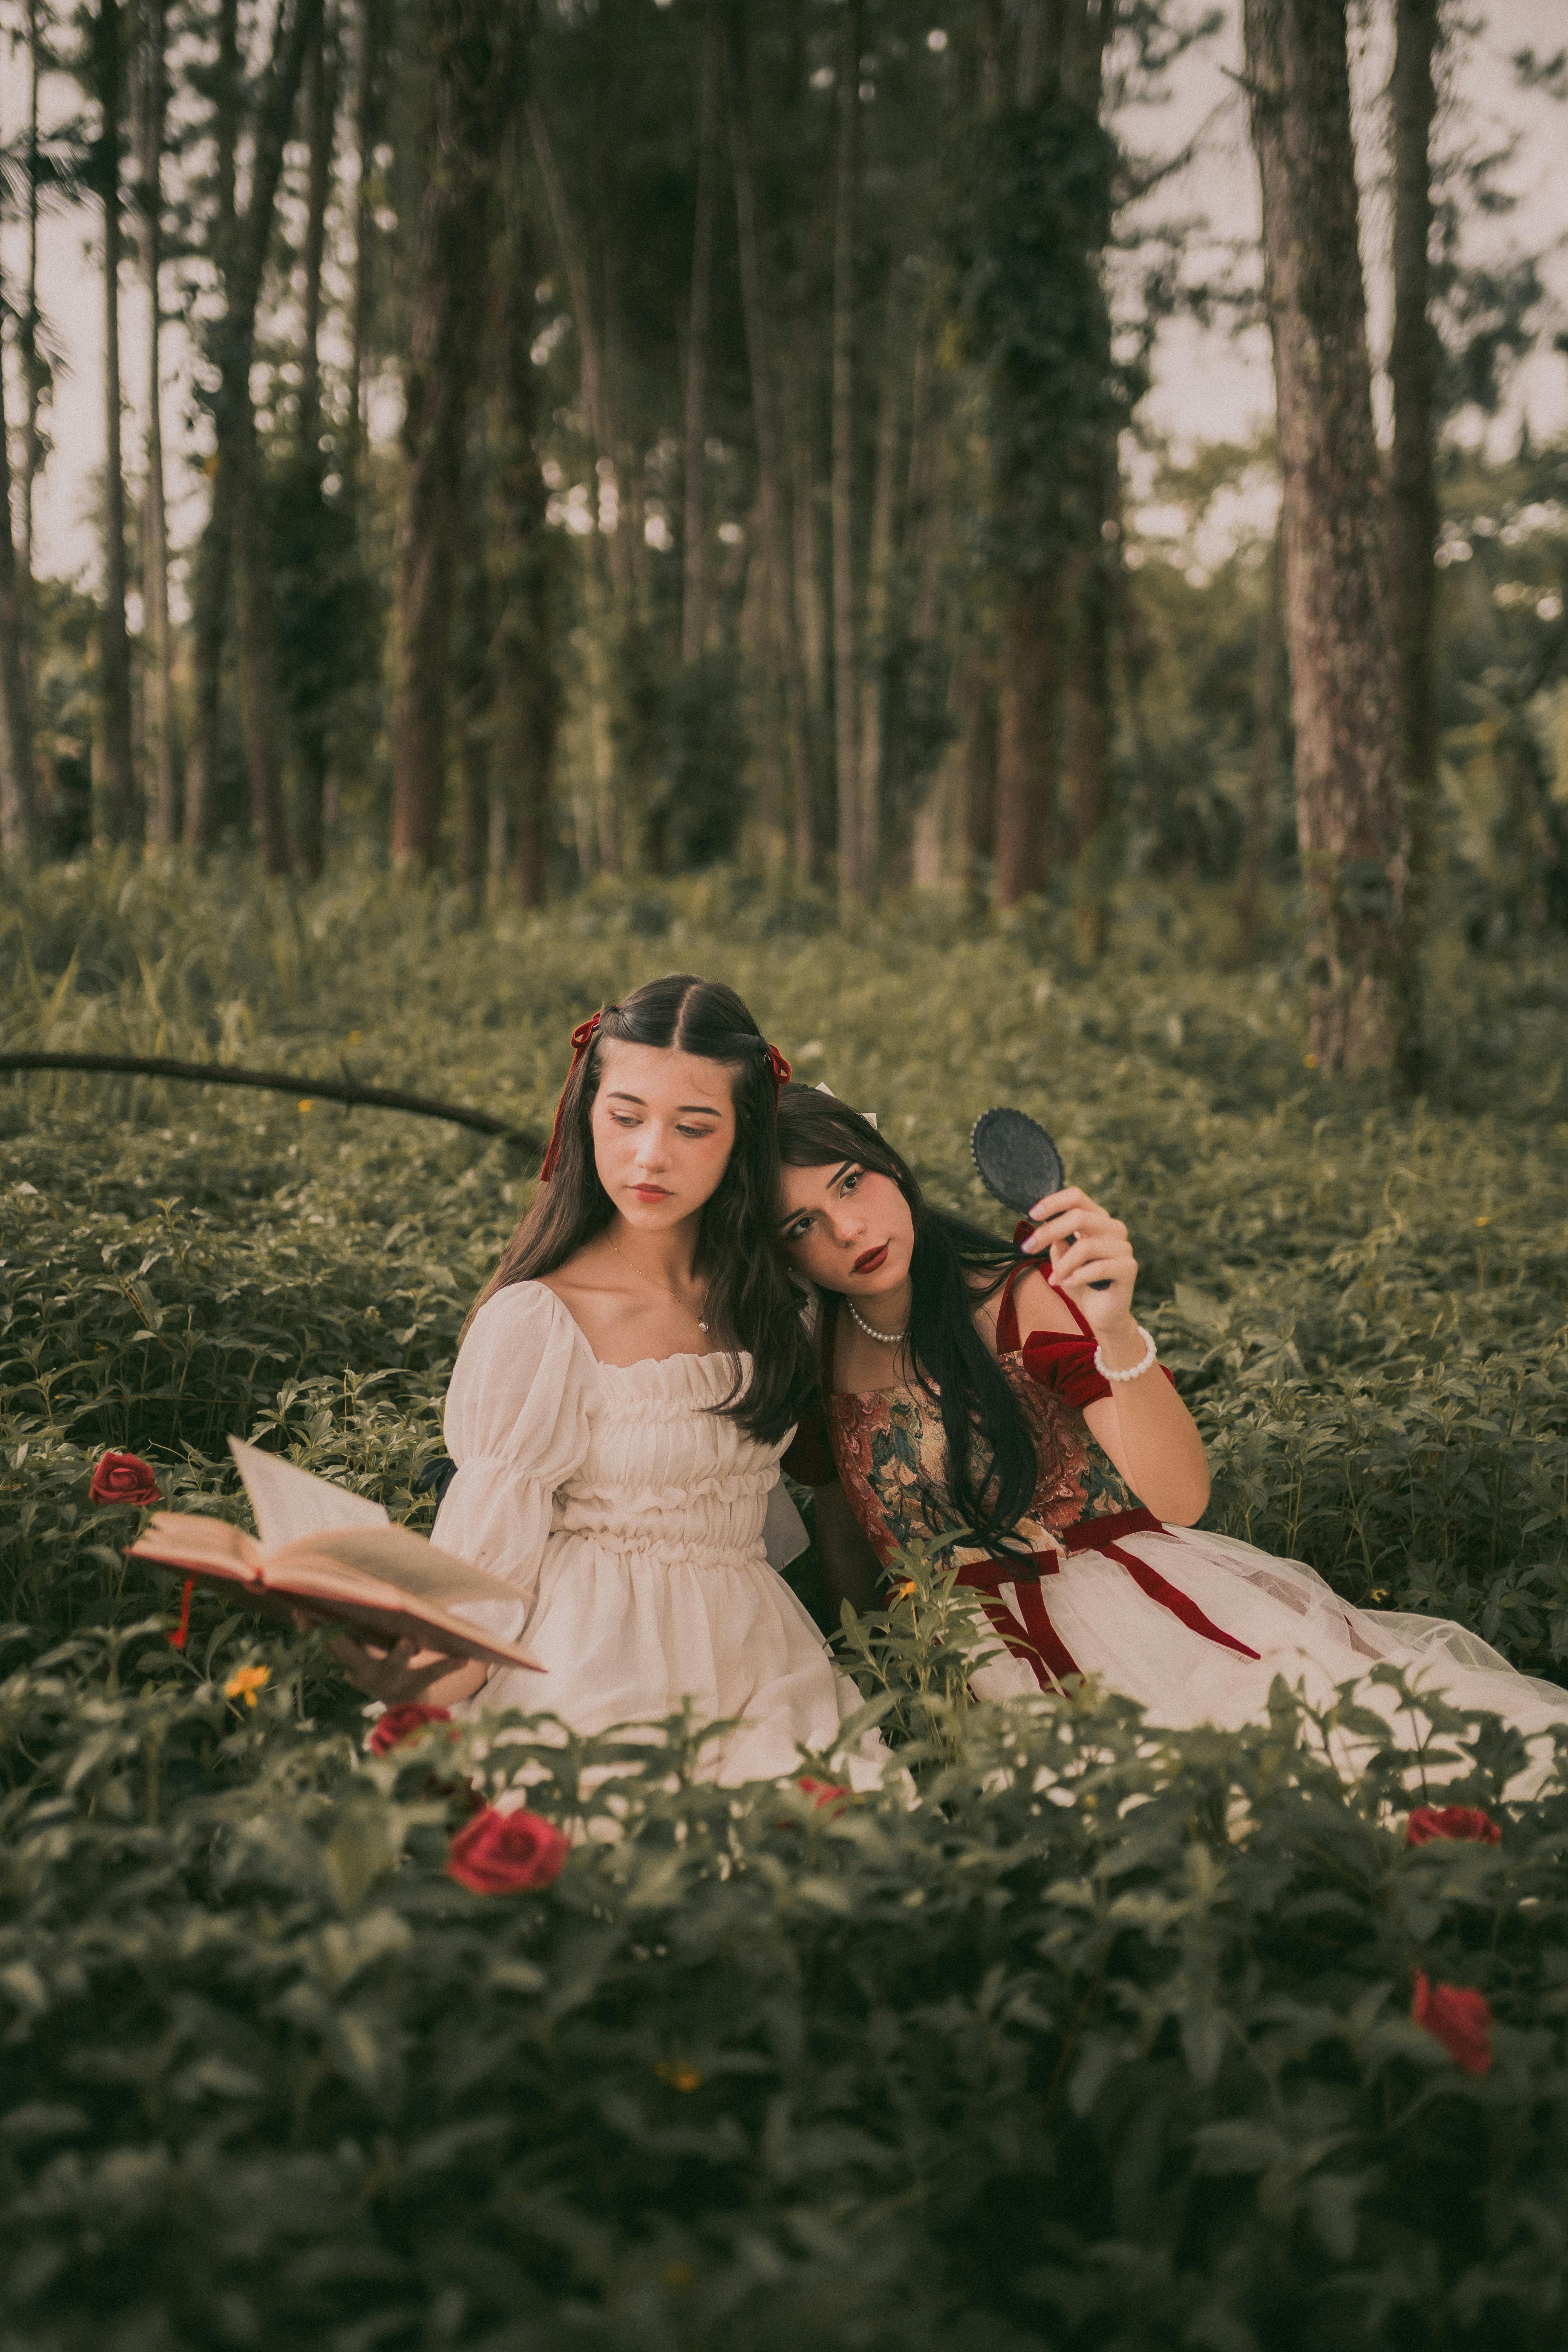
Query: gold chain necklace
699, 1319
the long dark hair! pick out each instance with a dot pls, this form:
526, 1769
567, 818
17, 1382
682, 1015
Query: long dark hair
992, 1461
752, 1299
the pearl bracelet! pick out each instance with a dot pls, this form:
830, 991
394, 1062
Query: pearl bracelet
1133, 1371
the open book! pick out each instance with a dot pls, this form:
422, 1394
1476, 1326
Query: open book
334, 1556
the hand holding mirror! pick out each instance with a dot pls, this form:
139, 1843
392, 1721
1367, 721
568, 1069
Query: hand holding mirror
1017, 1161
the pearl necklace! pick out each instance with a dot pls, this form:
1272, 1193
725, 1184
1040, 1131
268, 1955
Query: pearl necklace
699, 1319
888, 1338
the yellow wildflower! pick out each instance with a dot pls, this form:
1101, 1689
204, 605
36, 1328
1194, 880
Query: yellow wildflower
246, 1681
1308, 1061
309, 1103
1483, 1221
902, 1591
679, 2075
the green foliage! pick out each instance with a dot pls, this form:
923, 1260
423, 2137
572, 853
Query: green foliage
1104, 2041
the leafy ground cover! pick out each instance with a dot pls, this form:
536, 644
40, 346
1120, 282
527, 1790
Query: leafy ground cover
1107, 2042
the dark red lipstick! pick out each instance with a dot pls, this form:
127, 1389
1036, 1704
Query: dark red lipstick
869, 1260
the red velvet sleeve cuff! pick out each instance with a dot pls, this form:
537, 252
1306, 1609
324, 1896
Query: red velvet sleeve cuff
1064, 1360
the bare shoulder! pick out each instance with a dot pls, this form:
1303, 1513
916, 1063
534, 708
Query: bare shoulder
1039, 1304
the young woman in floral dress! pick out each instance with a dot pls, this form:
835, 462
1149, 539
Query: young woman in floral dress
970, 1395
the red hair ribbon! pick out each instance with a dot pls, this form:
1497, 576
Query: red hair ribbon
778, 1070
581, 1038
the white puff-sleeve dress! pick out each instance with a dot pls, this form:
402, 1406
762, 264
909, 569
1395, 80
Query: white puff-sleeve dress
628, 1517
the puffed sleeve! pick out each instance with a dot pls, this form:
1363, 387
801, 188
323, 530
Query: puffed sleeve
516, 1424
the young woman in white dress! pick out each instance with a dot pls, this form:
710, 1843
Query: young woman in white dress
622, 1394
969, 1392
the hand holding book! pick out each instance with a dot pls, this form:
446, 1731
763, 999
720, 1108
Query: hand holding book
322, 1555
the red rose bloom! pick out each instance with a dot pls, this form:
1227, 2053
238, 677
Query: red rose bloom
400, 1724
123, 1478
502, 1853
1457, 2016
1464, 1823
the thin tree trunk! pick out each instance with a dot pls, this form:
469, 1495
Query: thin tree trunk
1413, 369
1027, 756
1268, 755
468, 93
694, 530
18, 789
807, 566
1087, 730
309, 731
773, 508
367, 133
1361, 983
28, 338
474, 677
879, 582
119, 815
528, 687
164, 809
215, 557
977, 716
258, 655
320, 128
854, 882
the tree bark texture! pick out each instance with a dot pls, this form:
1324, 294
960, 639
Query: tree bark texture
527, 681
18, 790
772, 498
471, 72
1413, 370
1349, 803
474, 677
854, 882
879, 588
694, 524
1028, 756
240, 246
1085, 752
160, 725
119, 812
368, 109
1268, 753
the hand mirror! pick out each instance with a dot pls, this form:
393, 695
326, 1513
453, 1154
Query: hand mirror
1017, 1161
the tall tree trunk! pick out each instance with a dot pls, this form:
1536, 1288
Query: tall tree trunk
694, 529
18, 790
214, 557
805, 557
256, 652
879, 584
1361, 981
1413, 370
160, 725
773, 497
118, 814
528, 689
27, 322
468, 93
474, 677
977, 715
1027, 752
1267, 754
853, 879
368, 110
1088, 726
308, 730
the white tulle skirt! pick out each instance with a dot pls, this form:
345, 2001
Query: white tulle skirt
1297, 1624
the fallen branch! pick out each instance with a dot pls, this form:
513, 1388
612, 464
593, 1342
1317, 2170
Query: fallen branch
280, 1082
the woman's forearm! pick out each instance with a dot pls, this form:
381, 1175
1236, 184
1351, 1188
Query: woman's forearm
1153, 1441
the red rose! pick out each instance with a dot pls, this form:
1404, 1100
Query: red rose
123, 1478
501, 1853
1457, 2016
826, 1792
400, 1724
1461, 1822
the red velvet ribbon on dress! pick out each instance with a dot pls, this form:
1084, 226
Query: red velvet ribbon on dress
581, 1038
1044, 1650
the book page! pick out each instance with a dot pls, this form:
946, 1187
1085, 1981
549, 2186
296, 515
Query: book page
289, 1503
397, 1555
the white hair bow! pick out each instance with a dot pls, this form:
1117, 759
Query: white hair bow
868, 1116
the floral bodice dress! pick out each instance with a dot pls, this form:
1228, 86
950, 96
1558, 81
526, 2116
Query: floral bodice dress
1193, 1625
629, 1515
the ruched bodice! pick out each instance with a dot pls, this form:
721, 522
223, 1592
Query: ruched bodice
627, 1513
